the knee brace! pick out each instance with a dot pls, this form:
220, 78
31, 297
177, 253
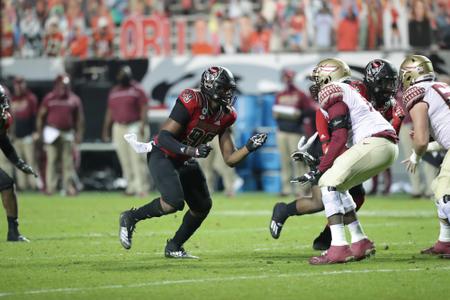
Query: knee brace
443, 207
332, 202
347, 202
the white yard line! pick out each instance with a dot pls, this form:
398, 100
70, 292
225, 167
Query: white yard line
367, 213
215, 279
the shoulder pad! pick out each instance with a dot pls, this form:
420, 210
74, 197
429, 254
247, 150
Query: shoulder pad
412, 96
330, 94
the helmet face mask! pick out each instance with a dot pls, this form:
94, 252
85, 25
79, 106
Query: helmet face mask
414, 69
326, 71
218, 84
381, 80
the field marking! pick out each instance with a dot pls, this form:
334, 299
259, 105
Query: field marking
215, 279
366, 213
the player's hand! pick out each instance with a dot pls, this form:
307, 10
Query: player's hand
201, 151
310, 177
411, 163
256, 141
305, 157
24, 167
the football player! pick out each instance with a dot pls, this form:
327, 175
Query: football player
379, 86
374, 149
197, 117
428, 103
7, 189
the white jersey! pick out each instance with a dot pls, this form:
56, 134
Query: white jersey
437, 96
365, 120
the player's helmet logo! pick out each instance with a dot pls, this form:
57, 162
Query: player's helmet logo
380, 78
414, 69
218, 84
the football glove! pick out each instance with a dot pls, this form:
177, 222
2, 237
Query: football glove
256, 141
310, 177
305, 157
201, 151
24, 167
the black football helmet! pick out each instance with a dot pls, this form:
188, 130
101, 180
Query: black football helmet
218, 84
4, 101
380, 78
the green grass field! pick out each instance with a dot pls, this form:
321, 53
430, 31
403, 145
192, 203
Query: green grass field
75, 253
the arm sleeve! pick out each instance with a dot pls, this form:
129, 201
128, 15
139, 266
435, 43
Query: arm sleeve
397, 117
180, 114
322, 129
8, 149
169, 142
338, 137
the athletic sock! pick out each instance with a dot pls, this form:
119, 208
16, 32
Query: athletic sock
291, 208
356, 231
338, 235
187, 228
12, 223
150, 210
444, 233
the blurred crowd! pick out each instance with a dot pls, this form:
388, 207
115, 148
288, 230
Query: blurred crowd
90, 28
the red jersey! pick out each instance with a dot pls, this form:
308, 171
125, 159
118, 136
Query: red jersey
202, 127
62, 111
392, 112
126, 103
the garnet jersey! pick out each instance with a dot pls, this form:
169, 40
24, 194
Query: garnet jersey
365, 120
202, 127
392, 112
437, 96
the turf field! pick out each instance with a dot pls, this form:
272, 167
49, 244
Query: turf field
75, 253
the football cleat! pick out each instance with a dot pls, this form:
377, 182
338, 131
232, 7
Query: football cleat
15, 236
362, 249
323, 241
334, 255
440, 248
172, 250
279, 216
127, 225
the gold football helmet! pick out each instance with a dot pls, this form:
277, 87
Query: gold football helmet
326, 71
414, 69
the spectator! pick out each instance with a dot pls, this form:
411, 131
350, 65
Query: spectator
297, 31
374, 25
103, 40
260, 37
42, 11
228, 43
323, 27
443, 24
7, 39
245, 33
419, 25
24, 107
74, 14
200, 44
30, 29
127, 113
53, 40
347, 38
290, 106
60, 124
79, 42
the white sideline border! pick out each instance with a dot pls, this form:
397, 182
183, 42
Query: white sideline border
215, 279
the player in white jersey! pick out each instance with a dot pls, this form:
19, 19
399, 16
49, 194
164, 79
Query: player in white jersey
428, 103
374, 150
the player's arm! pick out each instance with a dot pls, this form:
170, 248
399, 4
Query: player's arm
233, 156
11, 154
322, 129
419, 116
173, 127
397, 117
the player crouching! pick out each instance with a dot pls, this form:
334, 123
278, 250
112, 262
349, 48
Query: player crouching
197, 117
428, 103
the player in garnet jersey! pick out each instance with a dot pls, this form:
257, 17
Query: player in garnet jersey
197, 117
378, 87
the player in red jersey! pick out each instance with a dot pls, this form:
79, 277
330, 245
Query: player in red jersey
379, 87
197, 117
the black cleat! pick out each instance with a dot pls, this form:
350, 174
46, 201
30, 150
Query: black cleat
127, 225
172, 250
279, 216
323, 241
15, 236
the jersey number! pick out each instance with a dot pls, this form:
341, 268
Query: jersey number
444, 91
198, 137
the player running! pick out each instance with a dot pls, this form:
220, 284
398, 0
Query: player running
428, 103
197, 117
380, 81
374, 149
8, 191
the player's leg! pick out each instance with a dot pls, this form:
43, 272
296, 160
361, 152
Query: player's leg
199, 202
167, 181
387, 181
441, 188
301, 206
9, 199
374, 189
68, 167
285, 156
21, 178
